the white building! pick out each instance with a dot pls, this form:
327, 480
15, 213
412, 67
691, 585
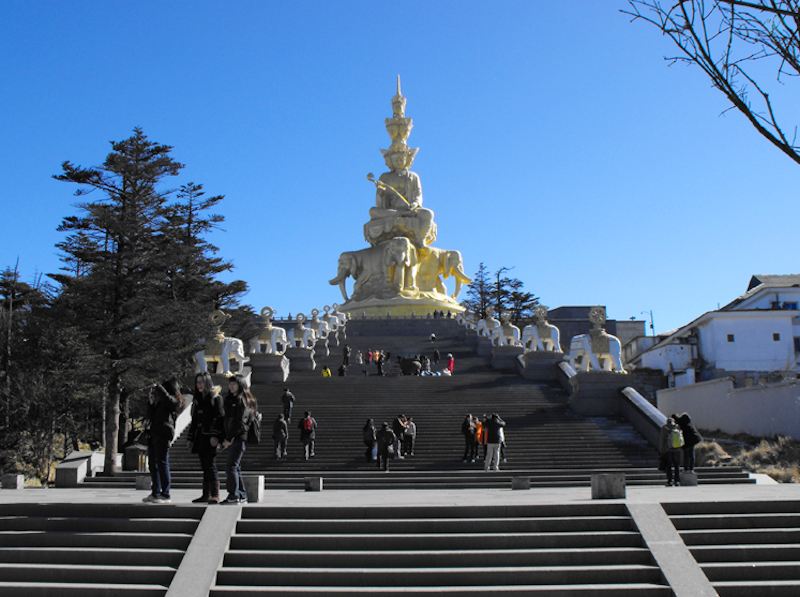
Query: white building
755, 336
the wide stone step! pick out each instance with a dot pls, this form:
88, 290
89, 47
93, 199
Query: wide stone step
736, 521
52, 589
91, 556
743, 536
415, 577
739, 571
424, 526
88, 525
117, 540
762, 588
437, 541
565, 590
770, 552
59, 573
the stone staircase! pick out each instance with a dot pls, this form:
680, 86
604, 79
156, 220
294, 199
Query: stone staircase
92, 549
545, 439
588, 549
744, 548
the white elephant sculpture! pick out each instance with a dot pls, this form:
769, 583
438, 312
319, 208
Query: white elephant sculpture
486, 327
541, 335
592, 348
301, 336
272, 339
220, 351
320, 325
506, 334
342, 319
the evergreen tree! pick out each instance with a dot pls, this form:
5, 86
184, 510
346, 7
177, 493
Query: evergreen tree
521, 303
479, 292
139, 277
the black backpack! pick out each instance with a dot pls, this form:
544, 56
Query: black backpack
254, 430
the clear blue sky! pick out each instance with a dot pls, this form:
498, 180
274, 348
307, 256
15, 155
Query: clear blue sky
554, 138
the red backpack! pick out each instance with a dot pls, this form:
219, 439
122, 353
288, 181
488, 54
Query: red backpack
308, 424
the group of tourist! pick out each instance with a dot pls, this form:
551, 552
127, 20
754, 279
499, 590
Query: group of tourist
390, 441
484, 438
677, 443
218, 423
307, 427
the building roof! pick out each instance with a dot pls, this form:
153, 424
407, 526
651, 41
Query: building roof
774, 280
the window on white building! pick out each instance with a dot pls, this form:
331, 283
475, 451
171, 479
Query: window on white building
776, 337
730, 338
790, 306
797, 343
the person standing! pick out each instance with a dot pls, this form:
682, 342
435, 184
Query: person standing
379, 362
164, 404
288, 405
409, 437
492, 433
240, 407
326, 372
386, 440
670, 446
468, 431
346, 355
280, 433
369, 440
691, 437
398, 428
308, 434
436, 357
451, 363
206, 434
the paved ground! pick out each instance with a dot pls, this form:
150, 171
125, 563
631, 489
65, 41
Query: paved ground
458, 497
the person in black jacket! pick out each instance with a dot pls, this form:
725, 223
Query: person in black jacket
308, 434
164, 403
386, 440
206, 434
468, 431
240, 407
280, 433
491, 431
691, 437
369, 439
288, 404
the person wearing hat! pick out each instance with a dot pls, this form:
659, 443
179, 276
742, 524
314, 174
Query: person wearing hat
451, 363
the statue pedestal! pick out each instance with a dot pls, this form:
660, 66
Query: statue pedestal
321, 347
302, 359
484, 346
269, 368
596, 393
504, 358
540, 365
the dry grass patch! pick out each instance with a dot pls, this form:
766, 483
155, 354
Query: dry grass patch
778, 457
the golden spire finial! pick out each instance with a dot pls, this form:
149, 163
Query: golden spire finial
399, 91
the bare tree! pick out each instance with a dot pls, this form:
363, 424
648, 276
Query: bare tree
748, 49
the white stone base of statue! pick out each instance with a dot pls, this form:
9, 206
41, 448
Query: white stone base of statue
302, 359
504, 358
321, 348
484, 346
401, 306
269, 368
540, 365
221, 379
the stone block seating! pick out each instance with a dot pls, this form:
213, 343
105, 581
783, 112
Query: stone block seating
607, 486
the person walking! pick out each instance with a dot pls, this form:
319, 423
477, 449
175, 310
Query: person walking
409, 437
370, 440
206, 433
308, 434
288, 404
280, 433
492, 432
468, 431
240, 407
671, 444
386, 440
326, 372
436, 357
164, 404
451, 363
379, 362
691, 437
478, 423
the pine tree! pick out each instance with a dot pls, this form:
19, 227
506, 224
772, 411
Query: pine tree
479, 292
138, 275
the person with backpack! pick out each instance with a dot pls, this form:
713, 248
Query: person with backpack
287, 398
386, 440
240, 410
280, 433
671, 444
308, 434
206, 434
370, 441
691, 437
409, 437
163, 405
